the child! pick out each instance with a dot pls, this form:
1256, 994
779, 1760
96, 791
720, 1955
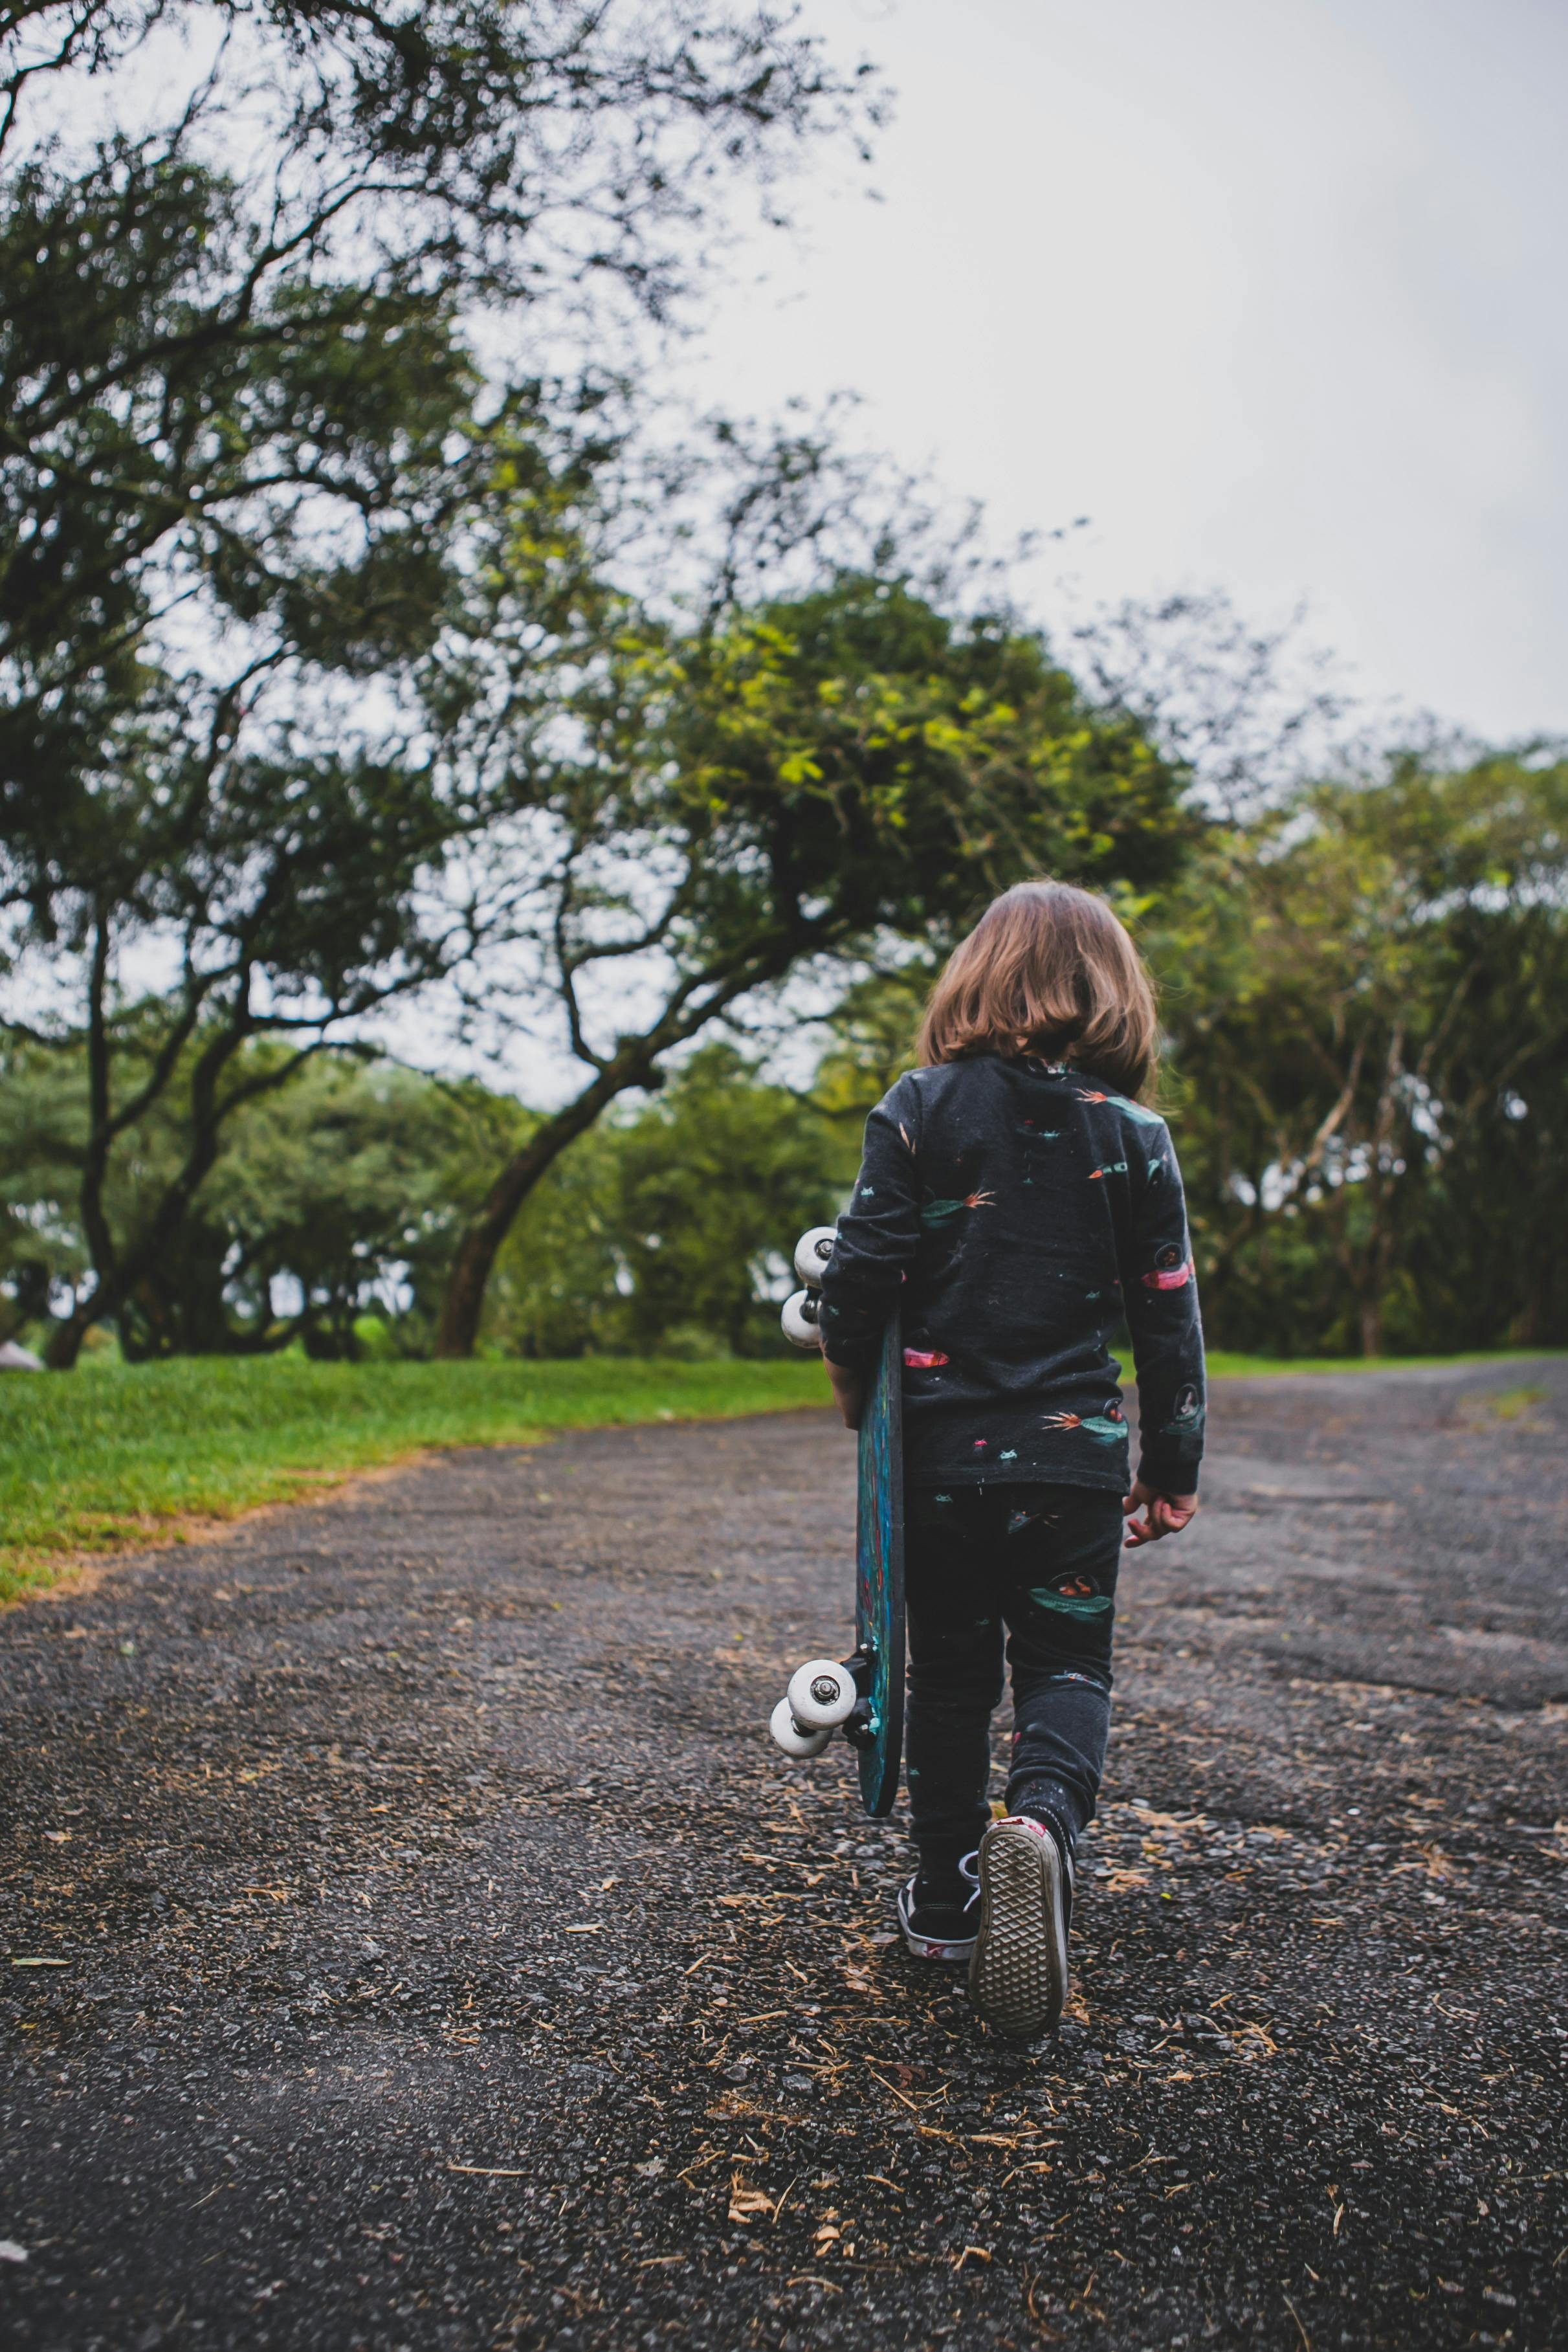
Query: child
1017, 1201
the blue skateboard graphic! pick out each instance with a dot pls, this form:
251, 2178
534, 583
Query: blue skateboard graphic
863, 1693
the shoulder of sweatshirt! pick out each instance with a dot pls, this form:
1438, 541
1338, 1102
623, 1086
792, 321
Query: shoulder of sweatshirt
950, 1086
1101, 1094
939, 1084
925, 1103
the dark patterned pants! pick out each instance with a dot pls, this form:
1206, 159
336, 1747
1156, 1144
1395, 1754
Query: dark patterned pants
1035, 1567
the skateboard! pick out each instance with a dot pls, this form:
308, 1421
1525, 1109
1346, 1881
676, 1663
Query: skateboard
863, 1694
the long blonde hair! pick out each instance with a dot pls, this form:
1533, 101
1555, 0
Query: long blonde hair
1047, 969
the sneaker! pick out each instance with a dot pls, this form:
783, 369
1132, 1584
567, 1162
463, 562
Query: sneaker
1018, 1974
940, 1931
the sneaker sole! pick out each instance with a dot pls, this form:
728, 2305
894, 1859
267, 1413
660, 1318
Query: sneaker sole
1017, 1977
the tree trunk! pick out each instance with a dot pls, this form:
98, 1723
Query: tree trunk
64, 1342
464, 1304
698, 1000
1372, 1327
1525, 1330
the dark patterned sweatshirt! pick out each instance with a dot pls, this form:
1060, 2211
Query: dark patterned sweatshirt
1018, 1210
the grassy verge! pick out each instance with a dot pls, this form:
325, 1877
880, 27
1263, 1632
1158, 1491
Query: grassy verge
1223, 1366
114, 1454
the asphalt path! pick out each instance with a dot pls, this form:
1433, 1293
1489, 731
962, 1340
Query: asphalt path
410, 1937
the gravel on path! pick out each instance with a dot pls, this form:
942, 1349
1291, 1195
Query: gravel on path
410, 1937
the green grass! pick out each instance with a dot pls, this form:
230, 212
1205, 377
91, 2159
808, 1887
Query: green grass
1224, 1366
113, 1453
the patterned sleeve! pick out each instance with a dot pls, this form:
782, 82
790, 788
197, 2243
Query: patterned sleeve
877, 1233
1159, 1291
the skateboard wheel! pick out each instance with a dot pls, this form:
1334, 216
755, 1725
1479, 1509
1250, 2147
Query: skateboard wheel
793, 1737
812, 1251
821, 1694
799, 1319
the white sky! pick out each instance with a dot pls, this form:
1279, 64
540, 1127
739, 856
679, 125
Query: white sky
1273, 290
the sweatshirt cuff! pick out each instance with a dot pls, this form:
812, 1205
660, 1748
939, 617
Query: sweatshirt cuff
1167, 1473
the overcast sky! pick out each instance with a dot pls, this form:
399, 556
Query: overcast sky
1273, 290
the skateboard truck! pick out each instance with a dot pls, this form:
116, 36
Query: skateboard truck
862, 1728
862, 1722
825, 1695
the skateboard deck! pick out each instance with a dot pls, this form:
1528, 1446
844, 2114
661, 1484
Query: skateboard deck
879, 1575
862, 1695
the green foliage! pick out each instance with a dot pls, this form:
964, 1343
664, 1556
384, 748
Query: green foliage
252, 482
237, 392
804, 782
331, 1214
667, 1233
343, 1192
716, 1180
42, 1132
318, 681
854, 761
556, 1288
1365, 996
1367, 993
302, 505
872, 1038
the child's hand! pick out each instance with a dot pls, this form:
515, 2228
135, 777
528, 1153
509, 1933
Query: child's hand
1163, 1515
849, 1394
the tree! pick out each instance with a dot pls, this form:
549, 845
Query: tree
263, 812
284, 895
334, 1197
41, 1128
334, 1201
1252, 713
243, 449
194, 356
1480, 1256
663, 1231
718, 1176
773, 788
1364, 994
872, 1032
